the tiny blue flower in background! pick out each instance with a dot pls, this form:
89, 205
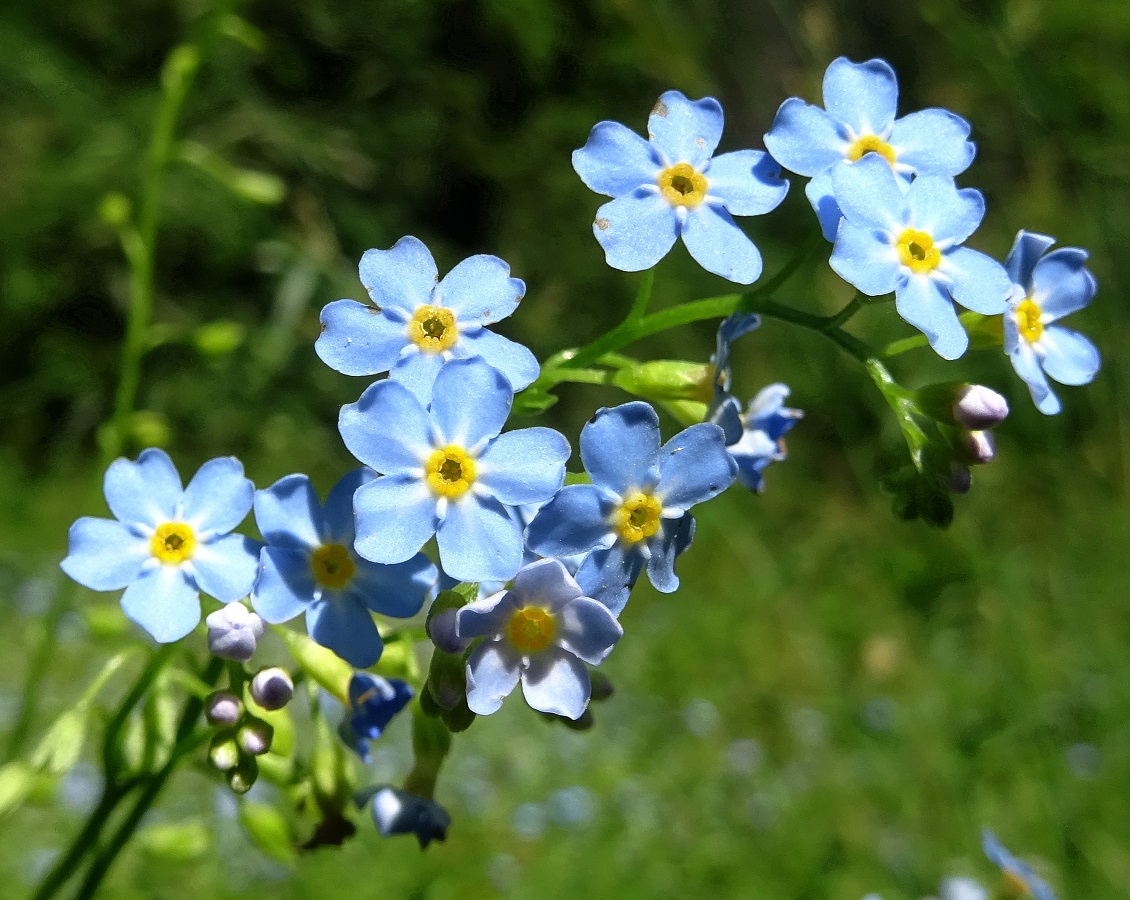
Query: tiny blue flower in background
309, 565
634, 513
542, 631
419, 322
961, 888
1047, 287
669, 187
399, 812
373, 702
858, 121
910, 243
167, 543
446, 470
1020, 878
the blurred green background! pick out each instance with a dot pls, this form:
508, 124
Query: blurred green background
835, 702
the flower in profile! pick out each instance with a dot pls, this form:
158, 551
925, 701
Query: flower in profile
373, 702
446, 470
541, 631
167, 542
418, 322
1020, 879
910, 243
672, 186
1047, 287
398, 812
858, 120
635, 511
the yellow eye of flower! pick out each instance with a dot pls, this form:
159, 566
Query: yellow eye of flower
681, 185
432, 329
638, 517
871, 143
332, 566
1029, 320
531, 629
173, 543
450, 472
917, 251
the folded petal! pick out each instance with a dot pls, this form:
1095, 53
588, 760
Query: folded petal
821, 195
804, 138
285, 586
104, 554
401, 278
933, 142
479, 541
396, 515
620, 447
1022, 258
636, 230
720, 246
615, 160
861, 95
685, 130
694, 466
1061, 283
557, 682
1069, 357
869, 195
288, 513
470, 401
346, 628
513, 360
481, 290
675, 537
608, 575
357, 339
979, 282
526, 466
492, 673
1027, 366
864, 260
574, 521
337, 514
922, 302
164, 602
147, 491
396, 590
226, 567
588, 630
748, 181
942, 211
388, 429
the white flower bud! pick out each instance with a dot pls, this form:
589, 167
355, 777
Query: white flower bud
222, 708
980, 447
234, 632
272, 688
255, 737
978, 407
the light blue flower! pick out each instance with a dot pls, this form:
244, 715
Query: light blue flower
669, 187
860, 100
446, 471
635, 511
910, 243
1020, 877
309, 565
398, 812
167, 543
373, 702
1047, 287
418, 323
542, 631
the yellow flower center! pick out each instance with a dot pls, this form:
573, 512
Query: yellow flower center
871, 143
638, 517
332, 566
917, 251
173, 543
432, 329
681, 185
531, 629
450, 472
1029, 320
1013, 886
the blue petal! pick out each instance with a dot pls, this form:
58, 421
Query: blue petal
1061, 284
487, 616
346, 628
620, 447
574, 521
673, 540
727, 415
1069, 357
492, 674
470, 402
731, 328
942, 211
337, 514
804, 138
479, 541
288, 513
557, 682
395, 517
546, 582
1026, 251
388, 429
683, 130
607, 576
164, 602
588, 630
636, 230
1027, 366
401, 278
526, 466
285, 586
864, 261
219, 497
868, 194
104, 554
417, 371
980, 283
753, 453
147, 492
820, 192
358, 339
397, 590
720, 246
226, 567
923, 303
516, 362
748, 181
862, 95
480, 290
933, 142
694, 466
615, 160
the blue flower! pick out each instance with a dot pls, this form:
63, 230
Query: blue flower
447, 471
541, 631
168, 543
859, 121
1047, 287
634, 513
910, 243
373, 702
399, 812
1020, 877
309, 565
419, 322
669, 187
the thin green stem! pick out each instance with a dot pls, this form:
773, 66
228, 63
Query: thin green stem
895, 348
112, 743
620, 336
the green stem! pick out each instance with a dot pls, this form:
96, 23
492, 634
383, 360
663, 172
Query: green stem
112, 743
894, 348
620, 336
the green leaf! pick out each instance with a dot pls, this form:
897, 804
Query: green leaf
176, 841
268, 830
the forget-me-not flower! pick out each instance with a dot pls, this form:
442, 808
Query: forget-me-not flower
910, 243
858, 120
396, 811
309, 565
635, 511
168, 542
1020, 877
672, 186
418, 322
541, 631
446, 470
1047, 287
373, 702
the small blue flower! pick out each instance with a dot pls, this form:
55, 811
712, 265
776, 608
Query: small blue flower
1047, 287
635, 511
419, 322
1020, 878
910, 243
167, 543
309, 565
447, 471
669, 187
399, 812
542, 631
859, 121
373, 702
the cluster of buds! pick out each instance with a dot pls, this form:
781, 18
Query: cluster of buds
242, 736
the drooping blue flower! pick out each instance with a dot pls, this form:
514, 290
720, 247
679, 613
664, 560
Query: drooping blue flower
542, 631
670, 186
309, 565
858, 120
910, 243
1047, 287
418, 323
447, 471
398, 812
167, 542
373, 702
635, 511
1019, 876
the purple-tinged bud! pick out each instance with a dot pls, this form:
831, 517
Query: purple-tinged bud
255, 737
960, 479
272, 688
234, 632
444, 633
243, 777
224, 709
979, 446
978, 407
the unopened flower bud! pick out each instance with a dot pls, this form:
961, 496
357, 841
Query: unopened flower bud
442, 630
243, 777
978, 407
960, 479
234, 632
224, 752
222, 708
979, 446
272, 688
255, 737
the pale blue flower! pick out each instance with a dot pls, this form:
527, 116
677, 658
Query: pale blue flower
1019, 876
